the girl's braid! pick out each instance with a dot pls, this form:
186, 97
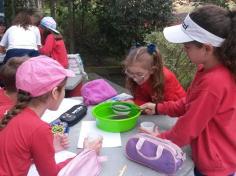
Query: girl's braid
23, 99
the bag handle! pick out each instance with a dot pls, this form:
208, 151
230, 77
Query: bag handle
139, 146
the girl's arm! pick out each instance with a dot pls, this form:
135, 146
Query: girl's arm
195, 120
47, 48
4, 41
38, 38
43, 152
61, 142
138, 101
172, 108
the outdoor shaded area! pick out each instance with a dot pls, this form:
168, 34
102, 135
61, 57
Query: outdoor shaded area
102, 31
118, 74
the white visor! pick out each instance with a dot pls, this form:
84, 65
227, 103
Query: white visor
190, 31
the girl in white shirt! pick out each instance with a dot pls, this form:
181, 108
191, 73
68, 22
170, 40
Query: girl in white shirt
22, 38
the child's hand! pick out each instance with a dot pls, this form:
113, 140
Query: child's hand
61, 142
149, 108
65, 141
95, 144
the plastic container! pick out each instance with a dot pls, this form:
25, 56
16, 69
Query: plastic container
103, 114
121, 108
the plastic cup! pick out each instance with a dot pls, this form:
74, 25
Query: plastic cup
149, 126
94, 137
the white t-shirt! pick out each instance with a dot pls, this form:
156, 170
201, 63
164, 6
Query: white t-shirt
17, 37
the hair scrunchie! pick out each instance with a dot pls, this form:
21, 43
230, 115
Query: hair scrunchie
151, 48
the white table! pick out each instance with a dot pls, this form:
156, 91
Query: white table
116, 156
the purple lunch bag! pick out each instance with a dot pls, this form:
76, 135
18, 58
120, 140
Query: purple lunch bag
97, 91
159, 154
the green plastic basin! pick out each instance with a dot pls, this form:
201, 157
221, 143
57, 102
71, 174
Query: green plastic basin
103, 112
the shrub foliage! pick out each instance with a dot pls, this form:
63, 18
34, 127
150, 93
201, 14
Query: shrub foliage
174, 58
122, 22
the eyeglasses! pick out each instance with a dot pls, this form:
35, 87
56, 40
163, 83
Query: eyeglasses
138, 76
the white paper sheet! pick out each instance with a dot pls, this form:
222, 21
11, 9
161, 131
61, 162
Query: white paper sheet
89, 127
59, 157
65, 105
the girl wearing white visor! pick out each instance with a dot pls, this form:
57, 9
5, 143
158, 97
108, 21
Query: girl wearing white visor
208, 113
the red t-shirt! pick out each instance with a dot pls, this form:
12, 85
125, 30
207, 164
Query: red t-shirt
172, 89
4, 99
24, 140
55, 49
5, 103
207, 122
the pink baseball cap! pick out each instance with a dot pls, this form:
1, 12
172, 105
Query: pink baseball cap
39, 75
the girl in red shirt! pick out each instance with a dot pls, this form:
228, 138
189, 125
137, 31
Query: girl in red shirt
40, 82
208, 113
54, 45
8, 93
147, 79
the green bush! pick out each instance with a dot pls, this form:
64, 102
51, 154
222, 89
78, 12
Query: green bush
174, 58
222, 3
123, 22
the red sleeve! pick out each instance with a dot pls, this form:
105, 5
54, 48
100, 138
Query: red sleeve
172, 108
173, 89
47, 48
139, 102
43, 152
195, 120
143, 93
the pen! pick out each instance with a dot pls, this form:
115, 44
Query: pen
122, 171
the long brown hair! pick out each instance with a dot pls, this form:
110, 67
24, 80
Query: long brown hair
23, 100
47, 31
8, 72
23, 19
149, 61
222, 23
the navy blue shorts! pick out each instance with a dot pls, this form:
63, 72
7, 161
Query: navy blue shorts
19, 53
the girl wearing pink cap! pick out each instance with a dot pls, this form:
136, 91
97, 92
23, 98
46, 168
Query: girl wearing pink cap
208, 113
40, 82
53, 45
